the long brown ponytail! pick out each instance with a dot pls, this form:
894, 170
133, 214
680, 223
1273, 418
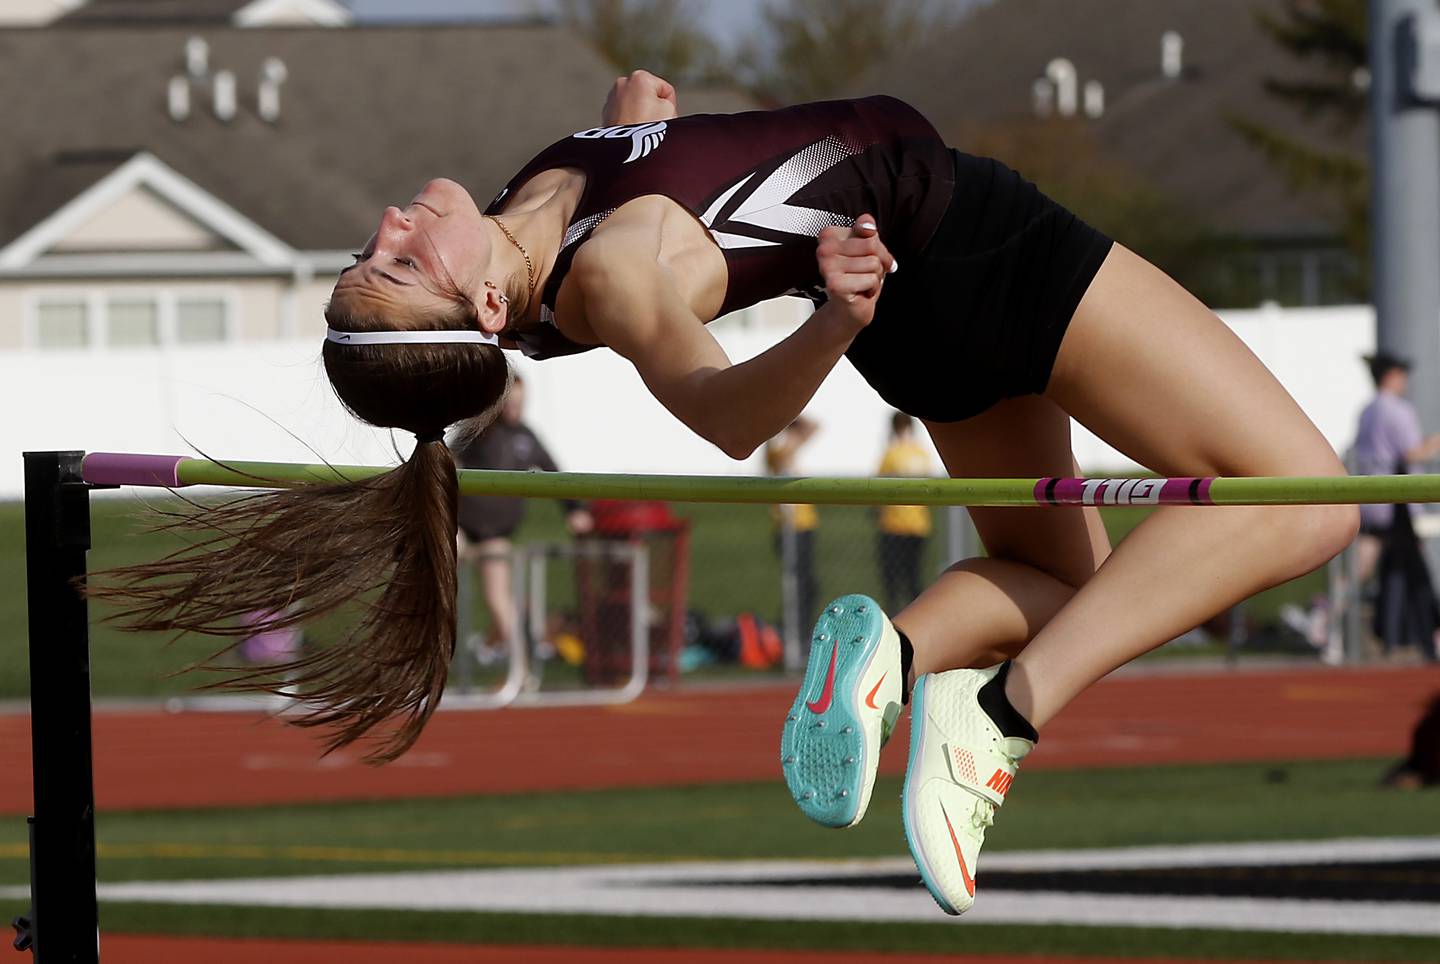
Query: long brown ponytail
387, 543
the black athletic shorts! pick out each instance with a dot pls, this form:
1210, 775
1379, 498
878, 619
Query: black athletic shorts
981, 315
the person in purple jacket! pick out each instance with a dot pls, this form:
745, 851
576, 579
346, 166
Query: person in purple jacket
1389, 440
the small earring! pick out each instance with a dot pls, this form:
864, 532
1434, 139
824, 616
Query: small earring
489, 284
504, 300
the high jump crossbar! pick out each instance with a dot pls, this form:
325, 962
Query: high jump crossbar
174, 471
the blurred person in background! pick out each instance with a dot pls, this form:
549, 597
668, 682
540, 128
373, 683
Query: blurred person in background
486, 523
903, 529
797, 523
1389, 441
1421, 768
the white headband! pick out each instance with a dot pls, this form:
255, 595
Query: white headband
449, 336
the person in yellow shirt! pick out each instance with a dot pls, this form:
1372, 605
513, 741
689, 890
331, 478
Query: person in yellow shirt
803, 520
903, 529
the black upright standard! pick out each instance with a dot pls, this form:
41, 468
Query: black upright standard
63, 921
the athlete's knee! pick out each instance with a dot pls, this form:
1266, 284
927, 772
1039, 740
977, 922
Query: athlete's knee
1329, 528
1336, 526
1312, 535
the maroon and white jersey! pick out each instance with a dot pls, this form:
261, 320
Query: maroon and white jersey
763, 182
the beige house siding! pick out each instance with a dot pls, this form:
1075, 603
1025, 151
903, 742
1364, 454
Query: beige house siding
310, 302
140, 220
261, 309
11, 324
33, 13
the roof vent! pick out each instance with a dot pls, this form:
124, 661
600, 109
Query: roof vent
178, 98
224, 91
197, 57
1042, 97
272, 75
1061, 73
1094, 99
1172, 55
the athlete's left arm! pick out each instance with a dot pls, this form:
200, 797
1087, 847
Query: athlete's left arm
640, 98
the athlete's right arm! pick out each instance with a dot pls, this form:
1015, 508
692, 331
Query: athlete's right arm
634, 307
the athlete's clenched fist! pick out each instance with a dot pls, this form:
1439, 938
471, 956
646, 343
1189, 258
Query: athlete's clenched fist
853, 265
640, 98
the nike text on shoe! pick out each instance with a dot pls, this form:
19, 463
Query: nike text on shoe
846, 708
961, 767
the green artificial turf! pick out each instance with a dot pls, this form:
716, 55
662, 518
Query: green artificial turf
1054, 809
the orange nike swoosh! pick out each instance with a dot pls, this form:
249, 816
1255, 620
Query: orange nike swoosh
870, 698
823, 703
964, 871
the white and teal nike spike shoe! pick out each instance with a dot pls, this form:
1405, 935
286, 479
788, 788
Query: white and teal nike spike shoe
846, 708
961, 767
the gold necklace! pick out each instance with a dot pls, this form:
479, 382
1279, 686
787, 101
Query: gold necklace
529, 265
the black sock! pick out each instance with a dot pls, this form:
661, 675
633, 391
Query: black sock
907, 656
997, 706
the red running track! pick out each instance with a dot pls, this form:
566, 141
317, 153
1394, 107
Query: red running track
157, 760
174, 950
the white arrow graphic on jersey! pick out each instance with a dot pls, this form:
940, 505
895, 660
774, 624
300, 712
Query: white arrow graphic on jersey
766, 206
722, 238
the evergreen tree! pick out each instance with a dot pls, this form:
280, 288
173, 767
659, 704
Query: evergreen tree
661, 36
1330, 36
1333, 34
813, 49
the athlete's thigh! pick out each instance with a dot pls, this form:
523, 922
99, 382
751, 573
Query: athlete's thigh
1026, 437
1152, 371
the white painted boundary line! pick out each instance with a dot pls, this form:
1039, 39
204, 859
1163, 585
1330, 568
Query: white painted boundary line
738, 889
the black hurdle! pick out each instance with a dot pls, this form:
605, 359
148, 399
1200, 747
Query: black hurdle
63, 923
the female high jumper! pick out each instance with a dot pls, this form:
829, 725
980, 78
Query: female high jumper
963, 296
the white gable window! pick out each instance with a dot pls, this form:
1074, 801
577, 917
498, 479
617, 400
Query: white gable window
200, 321
132, 321
62, 323
102, 319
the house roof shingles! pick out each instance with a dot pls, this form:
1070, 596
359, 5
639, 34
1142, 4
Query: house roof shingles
367, 115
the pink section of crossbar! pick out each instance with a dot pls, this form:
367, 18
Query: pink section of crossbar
121, 468
1182, 491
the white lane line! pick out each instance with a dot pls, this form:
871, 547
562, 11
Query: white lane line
708, 889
